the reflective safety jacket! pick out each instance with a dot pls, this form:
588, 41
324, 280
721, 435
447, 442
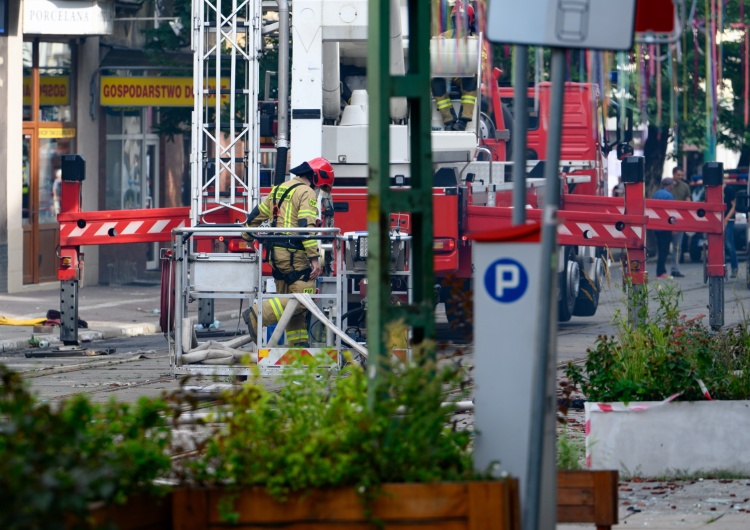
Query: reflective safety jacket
299, 202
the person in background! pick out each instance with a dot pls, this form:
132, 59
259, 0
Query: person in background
729, 211
464, 25
663, 237
57, 192
619, 189
680, 192
697, 189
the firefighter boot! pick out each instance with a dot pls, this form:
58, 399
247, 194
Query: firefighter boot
468, 102
460, 124
447, 112
248, 315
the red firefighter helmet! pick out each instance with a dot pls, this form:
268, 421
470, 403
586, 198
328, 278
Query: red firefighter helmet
465, 12
322, 172
318, 170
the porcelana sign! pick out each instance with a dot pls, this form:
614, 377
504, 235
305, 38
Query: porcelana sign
68, 17
152, 91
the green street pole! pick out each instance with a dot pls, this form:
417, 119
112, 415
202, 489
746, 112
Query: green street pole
382, 200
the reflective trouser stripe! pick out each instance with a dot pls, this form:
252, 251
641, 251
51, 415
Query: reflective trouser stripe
276, 307
445, 106
468, 102
295, 336
443, 103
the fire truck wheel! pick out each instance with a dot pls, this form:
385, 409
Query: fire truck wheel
458, 322
458, 307
587, 300
486, 127
569, 283
167, 305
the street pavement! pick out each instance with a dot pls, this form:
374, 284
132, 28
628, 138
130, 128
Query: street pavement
111, 311
126, 318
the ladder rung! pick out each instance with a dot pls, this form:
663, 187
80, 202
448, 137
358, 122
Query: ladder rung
241, 25
225, 159
226, 127
225, 91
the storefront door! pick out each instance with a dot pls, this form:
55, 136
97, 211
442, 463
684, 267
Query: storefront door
42, 151
48, 133
29, 228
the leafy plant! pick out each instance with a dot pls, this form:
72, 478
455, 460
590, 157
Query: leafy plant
569, 450
666, 354
318, 431
55, 461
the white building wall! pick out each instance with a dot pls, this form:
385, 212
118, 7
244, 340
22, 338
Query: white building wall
87, 145
11, 144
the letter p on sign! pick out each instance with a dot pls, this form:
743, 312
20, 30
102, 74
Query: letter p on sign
506, 280
506, 277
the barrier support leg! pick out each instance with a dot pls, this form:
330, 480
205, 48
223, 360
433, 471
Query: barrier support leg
716, 302
69, 312
713, 178
634, 265
637, 286
206, 312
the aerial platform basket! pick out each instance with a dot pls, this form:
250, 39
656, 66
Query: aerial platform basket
240, 276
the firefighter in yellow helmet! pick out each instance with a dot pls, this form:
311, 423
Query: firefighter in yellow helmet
464, 25
295, 263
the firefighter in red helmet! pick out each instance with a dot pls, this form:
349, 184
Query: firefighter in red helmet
295, 263
464, 25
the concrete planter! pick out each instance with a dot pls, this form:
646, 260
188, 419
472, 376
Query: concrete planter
656, 439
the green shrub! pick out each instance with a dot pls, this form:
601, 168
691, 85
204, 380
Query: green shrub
666, 354
55, 461
318, 431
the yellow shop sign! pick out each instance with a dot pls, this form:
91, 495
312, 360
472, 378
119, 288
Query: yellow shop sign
57, 132
52, 91
151, 91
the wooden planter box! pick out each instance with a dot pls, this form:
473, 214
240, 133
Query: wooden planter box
138, 513
588, 497
449, 506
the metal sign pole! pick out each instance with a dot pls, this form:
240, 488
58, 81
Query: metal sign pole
520, 127
542, 477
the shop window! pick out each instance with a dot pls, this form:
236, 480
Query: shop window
126, 150
55, 84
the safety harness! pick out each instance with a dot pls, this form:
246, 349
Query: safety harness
292, 246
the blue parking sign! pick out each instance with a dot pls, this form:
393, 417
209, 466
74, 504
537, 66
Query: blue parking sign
506, 280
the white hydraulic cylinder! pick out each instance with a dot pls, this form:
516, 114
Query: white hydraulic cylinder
331, 81
399, 107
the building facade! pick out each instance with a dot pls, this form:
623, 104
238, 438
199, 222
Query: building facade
70, 72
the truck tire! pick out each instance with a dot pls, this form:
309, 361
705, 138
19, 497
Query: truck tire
570, 280
587, 301
508, 119
458, 296
458, 322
